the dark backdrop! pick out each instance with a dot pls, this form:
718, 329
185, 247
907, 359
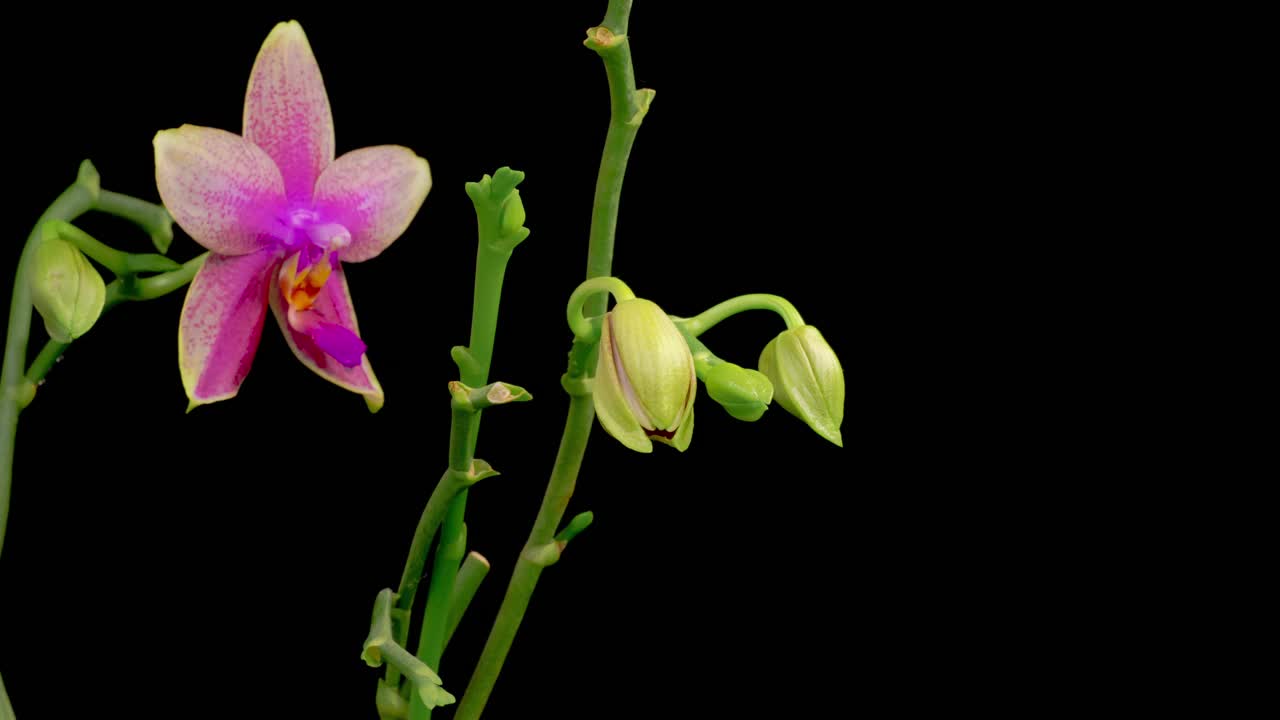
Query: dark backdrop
224, 563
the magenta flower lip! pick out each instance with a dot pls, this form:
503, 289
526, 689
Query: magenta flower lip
280, 215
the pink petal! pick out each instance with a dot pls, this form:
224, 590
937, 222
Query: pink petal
223, 191
222, 322
374, 192
286, 109
332, 307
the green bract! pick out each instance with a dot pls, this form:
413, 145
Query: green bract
807, 379
644, 383
65, 289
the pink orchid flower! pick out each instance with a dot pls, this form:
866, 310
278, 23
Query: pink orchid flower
280, 215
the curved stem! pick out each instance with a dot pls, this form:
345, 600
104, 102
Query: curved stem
628, 107
83, 195
143, 289
583, 330
152, 218
73, 202
708, 319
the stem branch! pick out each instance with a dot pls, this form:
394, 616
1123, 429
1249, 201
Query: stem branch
628, 107
711, 317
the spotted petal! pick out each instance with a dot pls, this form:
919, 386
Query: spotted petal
222, 323
374, 192
286, 110
223, 191
332, 307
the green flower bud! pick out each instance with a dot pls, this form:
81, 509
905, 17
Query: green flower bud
512, 213
66, 290
644, 383
807, 379
744, 394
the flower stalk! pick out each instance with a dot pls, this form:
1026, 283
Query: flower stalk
716, 314
627, 110
499, 219
17, 388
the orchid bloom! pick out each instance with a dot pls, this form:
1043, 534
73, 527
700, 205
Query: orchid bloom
280, 215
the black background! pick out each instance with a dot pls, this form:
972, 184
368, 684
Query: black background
224, 562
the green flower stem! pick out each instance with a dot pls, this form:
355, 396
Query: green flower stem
499, 217
695, 326
703, 358
76, 200
120, 263
73, 202
152, 218
583, 329
150, 288
16, 386
473, 571
627, 109
448, 557
141, 289
564, 476
432, 517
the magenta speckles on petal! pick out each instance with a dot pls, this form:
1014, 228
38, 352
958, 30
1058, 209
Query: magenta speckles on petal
222, 323
224, 192
278, 193
286, 110
339, 343
375, 193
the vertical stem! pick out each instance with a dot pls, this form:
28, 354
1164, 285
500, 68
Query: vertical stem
491, 268
623, 125
573, 445
627, 109
73, 202
470, 575
80, 197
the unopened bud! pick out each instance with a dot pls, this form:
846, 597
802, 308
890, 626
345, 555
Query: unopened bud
65, 288
744, 393
807, 379
512, 213
644, 382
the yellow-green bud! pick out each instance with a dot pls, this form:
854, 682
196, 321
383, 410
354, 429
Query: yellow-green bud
744, 394
807, 379
65, 288
644, 382
512, 213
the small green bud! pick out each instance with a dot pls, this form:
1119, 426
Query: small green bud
807, 379
389, 702
89, 179
744, 394
512, 213
644, 382
65, 288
